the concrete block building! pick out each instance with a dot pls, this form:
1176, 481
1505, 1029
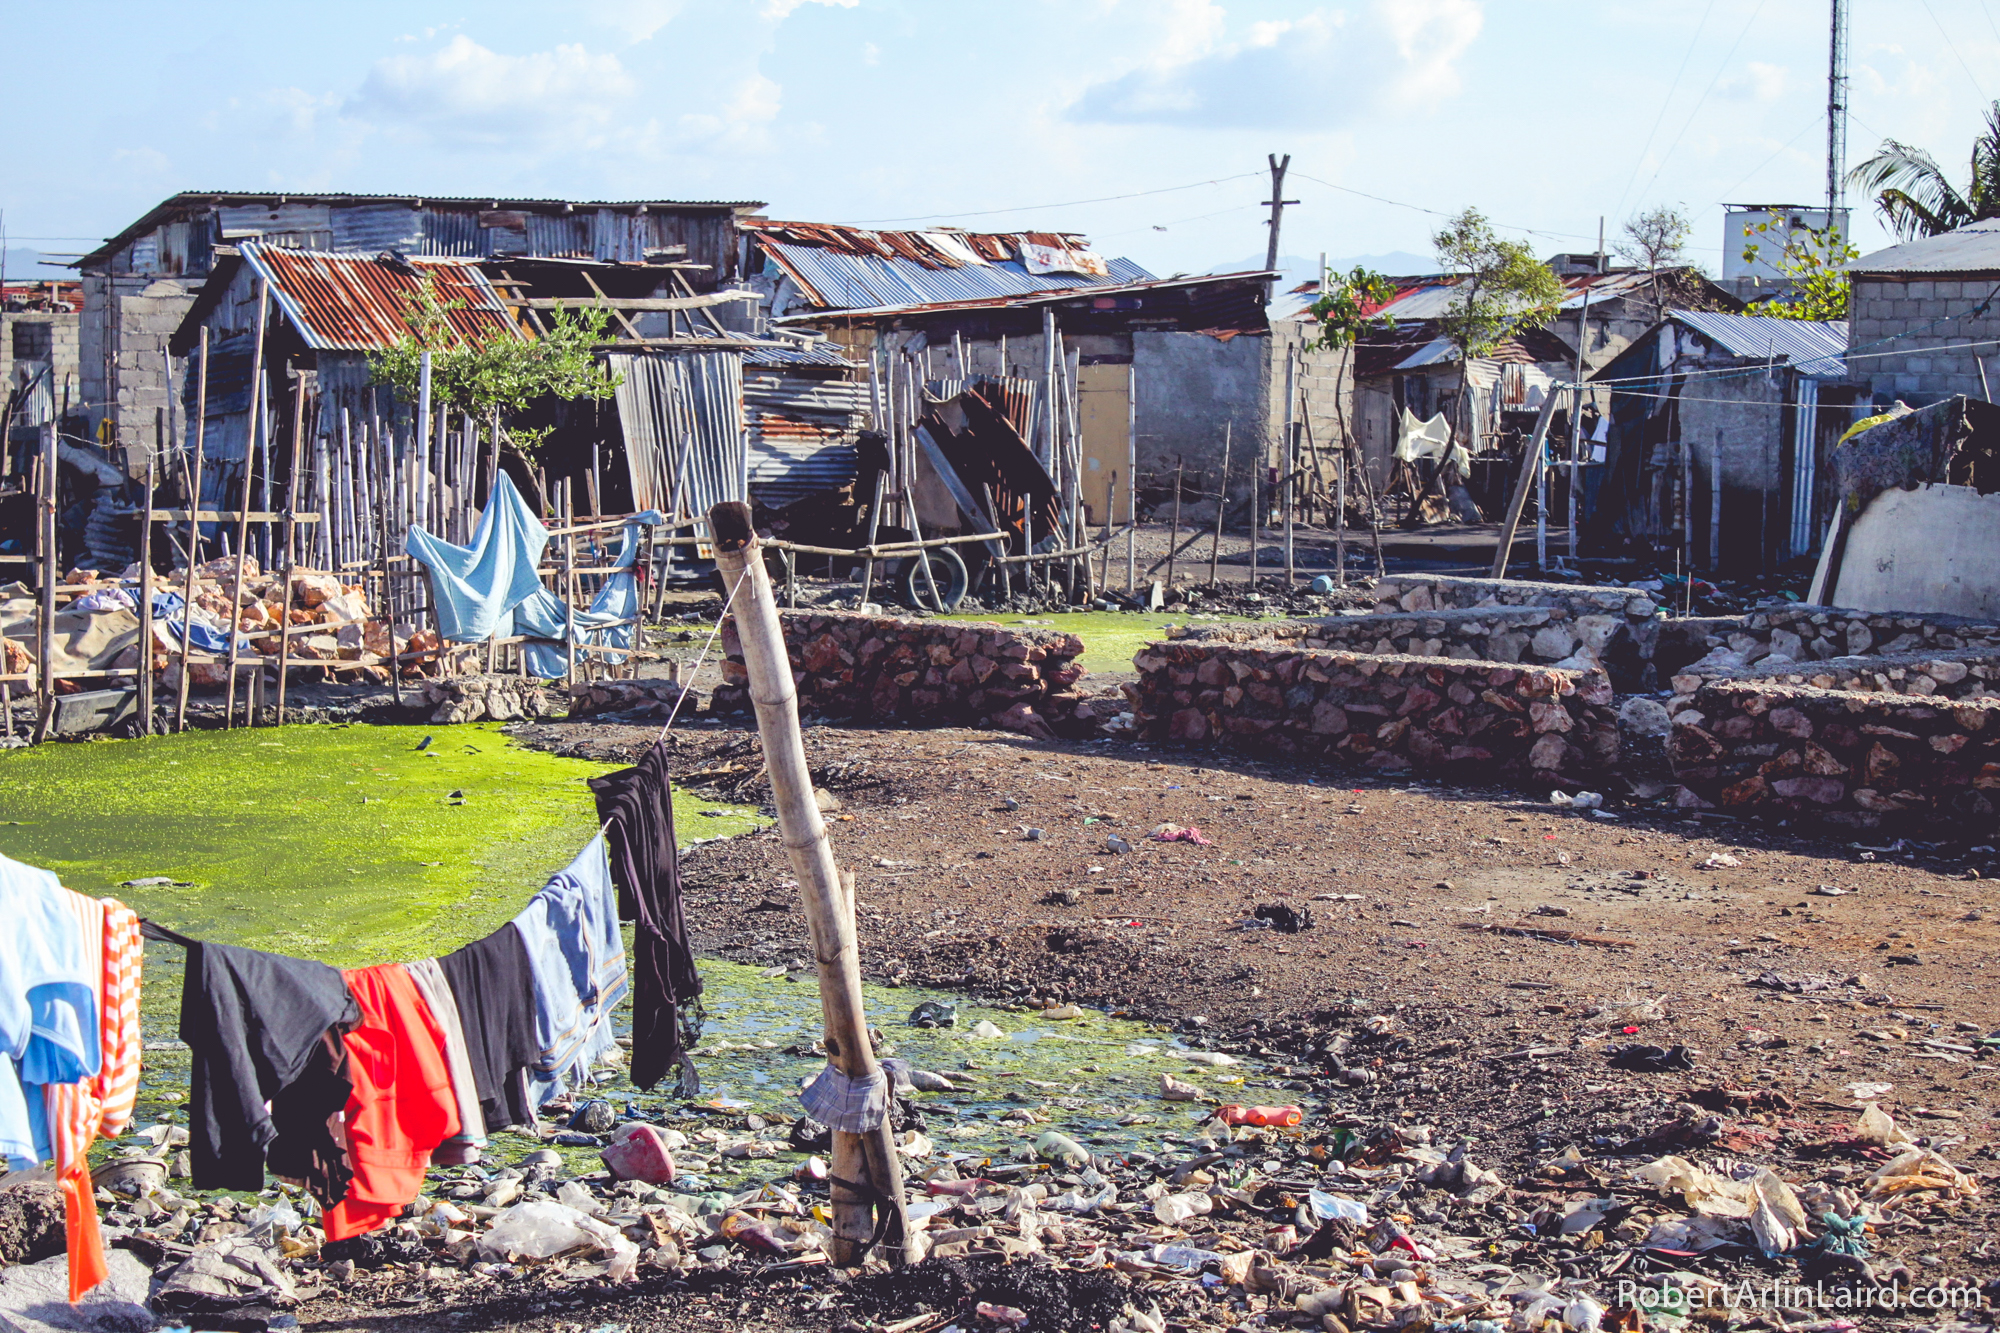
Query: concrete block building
1922, 317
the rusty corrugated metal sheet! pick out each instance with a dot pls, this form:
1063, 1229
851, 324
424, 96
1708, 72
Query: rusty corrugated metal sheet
845, 268
358, 303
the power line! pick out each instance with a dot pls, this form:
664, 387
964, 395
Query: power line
1439, 213
1665, 102
1069, 203
1953, 48
1703, 99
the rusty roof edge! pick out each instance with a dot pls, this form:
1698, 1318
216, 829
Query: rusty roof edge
1050, 296
164, 210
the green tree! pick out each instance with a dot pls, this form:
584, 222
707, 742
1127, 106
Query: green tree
1501, 288
1346, 306
1656, 240
1815, 260
1915, 196
503, 372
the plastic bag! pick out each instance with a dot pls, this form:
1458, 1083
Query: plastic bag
1179, 1209
546, 1230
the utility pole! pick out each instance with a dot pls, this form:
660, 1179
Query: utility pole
1836, 109
1276, 203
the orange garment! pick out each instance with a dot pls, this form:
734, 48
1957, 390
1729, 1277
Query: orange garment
79, 1112
402, 1107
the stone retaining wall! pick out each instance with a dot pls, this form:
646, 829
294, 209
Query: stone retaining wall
942, 672
481, 698
1861, 760
1437, 592
1386, 712
1969, 673
1546, 635
1817, 634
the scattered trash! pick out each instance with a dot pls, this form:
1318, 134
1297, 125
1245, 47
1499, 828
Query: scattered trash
1262, 1117
1583, 800
1284, 918
1652, 1059
1175, 833
1720, 861
934, 1014
540, 1231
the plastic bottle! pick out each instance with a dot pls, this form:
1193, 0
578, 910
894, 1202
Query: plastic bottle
1261, 1117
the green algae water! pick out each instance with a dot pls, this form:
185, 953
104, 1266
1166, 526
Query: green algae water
353, 845
357, 845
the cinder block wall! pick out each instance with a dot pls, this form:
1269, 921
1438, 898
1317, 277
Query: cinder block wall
1930, 360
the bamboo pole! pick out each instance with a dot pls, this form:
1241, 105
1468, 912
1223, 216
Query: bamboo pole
1174, 540
1531, 466
1131, 481
569, 587
243, 518
1110, 510
194, 532
866, 1171
1221, 504
291, 539
146, 576
45, 622
874, 526
1290, 455
388, 588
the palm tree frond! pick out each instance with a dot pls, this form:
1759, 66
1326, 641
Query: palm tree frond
1915, 196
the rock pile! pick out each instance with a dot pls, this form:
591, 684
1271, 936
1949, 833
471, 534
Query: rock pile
878, 668
1851, 758
1390, 713
486, 698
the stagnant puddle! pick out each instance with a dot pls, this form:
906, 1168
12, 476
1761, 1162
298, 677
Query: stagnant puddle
359, 844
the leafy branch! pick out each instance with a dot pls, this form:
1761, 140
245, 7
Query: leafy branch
502, 372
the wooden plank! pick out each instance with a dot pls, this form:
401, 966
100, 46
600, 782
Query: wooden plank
230, 516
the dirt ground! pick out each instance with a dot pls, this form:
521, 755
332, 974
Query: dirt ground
1503, 941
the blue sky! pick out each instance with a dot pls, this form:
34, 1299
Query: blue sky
906, 112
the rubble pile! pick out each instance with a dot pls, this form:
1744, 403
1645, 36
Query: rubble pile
1863, 760
480, 698
1390, 713
1343, 1214
878, 668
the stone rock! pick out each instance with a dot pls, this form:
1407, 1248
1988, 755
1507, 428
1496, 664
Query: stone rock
31, 1223
1644, 717
1552, 643
639, 1152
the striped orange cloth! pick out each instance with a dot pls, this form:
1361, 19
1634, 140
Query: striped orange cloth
79, 1112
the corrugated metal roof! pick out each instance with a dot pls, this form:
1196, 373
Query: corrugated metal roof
1429, 296
852, 268
358, 303
1098, 291
1973, 248
818, 354
1812, 347
177, 205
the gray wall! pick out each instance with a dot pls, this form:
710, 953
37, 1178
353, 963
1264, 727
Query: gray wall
1920, 372
63, 328
1189, 386
123, 350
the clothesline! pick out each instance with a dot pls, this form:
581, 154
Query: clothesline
287, 1053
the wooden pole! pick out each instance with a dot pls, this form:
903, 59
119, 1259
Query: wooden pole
194, 533
1289, 456
874, 526
1531, 465
923, 559
867, 1159
1340, 520
569, 586
1174, 540
146, 576
1110, 507
243, 510
45, 622
1221, 504
1256, 494
388, 589
1131, 482
291, 538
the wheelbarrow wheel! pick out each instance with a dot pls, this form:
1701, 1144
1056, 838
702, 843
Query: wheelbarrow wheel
947, 573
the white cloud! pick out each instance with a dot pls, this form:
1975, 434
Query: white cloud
743, 121
871, 54
1430, 36
780, 10
1317, 71
468, 93
637, 19
1758, 82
